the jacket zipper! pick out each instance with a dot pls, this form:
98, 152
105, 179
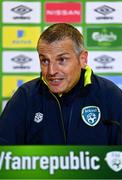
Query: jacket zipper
61, 115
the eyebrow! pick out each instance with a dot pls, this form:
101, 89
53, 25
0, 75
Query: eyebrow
62, 54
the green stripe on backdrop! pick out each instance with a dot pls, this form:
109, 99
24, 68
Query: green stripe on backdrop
60, 162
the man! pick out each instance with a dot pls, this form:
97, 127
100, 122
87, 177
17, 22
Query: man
68, 104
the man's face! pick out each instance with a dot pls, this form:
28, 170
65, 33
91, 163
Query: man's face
60, 65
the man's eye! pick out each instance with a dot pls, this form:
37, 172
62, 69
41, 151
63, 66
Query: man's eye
44, 61
62, 60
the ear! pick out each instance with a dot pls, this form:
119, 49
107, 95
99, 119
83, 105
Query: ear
83, 59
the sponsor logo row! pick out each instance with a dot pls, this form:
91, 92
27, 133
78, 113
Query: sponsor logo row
52, 12
95, 37
11, 83
28, 61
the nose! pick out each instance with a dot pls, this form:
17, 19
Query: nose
52, 69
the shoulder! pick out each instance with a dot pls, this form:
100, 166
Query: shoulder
32, 87
105, 85
103, 82
32, 83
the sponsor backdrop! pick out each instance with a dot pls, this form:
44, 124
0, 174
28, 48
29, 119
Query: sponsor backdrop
100, 21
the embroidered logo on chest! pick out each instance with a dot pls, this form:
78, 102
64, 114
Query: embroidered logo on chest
38, 117
91, 115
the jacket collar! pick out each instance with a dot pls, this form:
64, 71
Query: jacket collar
87, 76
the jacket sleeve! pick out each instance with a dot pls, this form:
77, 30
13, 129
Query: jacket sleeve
114, 101
12, 120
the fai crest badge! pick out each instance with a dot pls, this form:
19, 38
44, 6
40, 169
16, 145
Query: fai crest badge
91, 115
114, 160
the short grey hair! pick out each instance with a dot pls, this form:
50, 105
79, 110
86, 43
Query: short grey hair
60, 31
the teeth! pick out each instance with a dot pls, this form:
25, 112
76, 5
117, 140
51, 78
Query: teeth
55, 80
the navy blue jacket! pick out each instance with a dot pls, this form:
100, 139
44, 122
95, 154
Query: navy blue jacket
90, 114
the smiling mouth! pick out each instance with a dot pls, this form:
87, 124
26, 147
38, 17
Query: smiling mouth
55, 81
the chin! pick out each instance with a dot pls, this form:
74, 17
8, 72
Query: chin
57, 92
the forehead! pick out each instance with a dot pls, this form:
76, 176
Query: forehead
59, 45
